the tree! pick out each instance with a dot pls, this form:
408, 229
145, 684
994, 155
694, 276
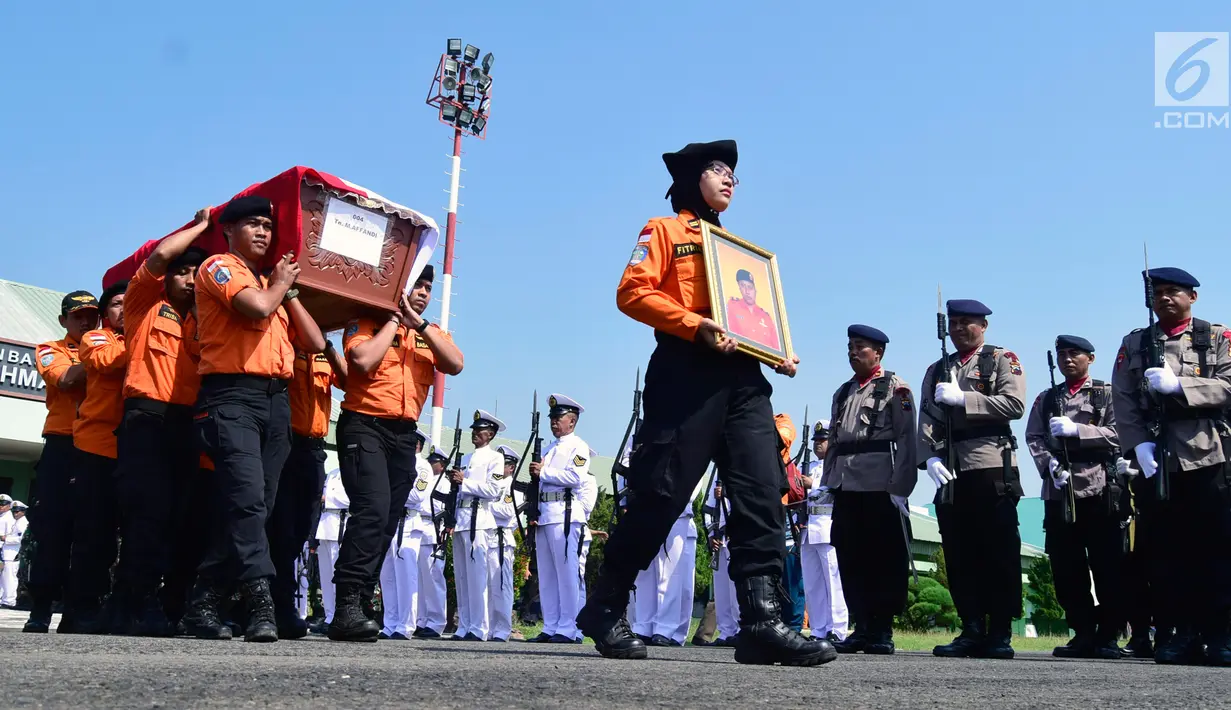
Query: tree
928, 605
703, 576
1048, 615
941, 574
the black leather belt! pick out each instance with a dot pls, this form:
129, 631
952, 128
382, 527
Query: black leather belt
875, 446
269, 385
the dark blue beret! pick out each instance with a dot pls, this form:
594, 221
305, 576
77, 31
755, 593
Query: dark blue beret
1074, 342
743, 275
1172, 275
867, 332
967, 307
245, 207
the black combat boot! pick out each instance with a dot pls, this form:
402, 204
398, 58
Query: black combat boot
1218, 641
999, 642
40, 616
603, 620
1105, 646
286, 616
968, 644
857, 641
1139, 646
262, 626
1080, 646
86, 618
880, 642
349, 622
1184, 648
146, 617
367, 601
763, 639
201, 619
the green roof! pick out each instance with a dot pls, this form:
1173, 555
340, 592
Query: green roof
28, 313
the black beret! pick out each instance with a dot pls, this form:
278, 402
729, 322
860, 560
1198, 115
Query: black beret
428, 274
112, 291
867, 332
1074, 342
686, 164
967, 307
245, 207
193, 256
743, 275
76, 301
1172, 275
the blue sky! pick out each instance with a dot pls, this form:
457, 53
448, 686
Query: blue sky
1008, 152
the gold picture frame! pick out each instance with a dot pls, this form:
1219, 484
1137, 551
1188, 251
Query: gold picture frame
730, 262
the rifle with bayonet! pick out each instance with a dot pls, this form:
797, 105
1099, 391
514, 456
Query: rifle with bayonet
529, 489
1055, 408
802, 515
630, 439
943, 375
713, 530
1157, 424
448, 512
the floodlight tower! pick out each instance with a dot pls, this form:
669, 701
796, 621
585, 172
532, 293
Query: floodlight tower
461, 95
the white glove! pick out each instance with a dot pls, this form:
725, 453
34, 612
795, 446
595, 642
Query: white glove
900, 502
1163, 380
1063, 426
949, 393
1060, 479
1145, 458
1124, 467
940, 475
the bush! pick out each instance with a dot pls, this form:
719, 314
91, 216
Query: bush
1048, 616
928, 605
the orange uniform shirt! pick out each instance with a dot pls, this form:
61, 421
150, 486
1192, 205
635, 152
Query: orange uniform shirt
397, 388
54, 359
106, 361
752, 322
230, 342
162, 345
310, 398
664, 283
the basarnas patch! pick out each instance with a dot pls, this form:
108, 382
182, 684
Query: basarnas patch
352, 328
639, 255
46, 359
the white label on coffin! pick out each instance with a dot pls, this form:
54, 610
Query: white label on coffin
353, 231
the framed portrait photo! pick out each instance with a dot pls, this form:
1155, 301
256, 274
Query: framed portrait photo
746, 294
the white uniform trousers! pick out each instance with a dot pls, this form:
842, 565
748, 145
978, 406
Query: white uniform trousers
663, 599
326, 558
8, 577
399, 579
585, 553
500, 582
559, 577
470, 581
823, 590
433, 594
726, 605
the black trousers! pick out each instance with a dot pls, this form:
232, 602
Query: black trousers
244, 425
1143, 565
297, 504
1097, 544
51, 516
157, 459
1194, 528
196, 513
95, 530
982, 545
377, 458
702, 406
872, 555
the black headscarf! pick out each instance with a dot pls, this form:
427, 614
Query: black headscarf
686, 167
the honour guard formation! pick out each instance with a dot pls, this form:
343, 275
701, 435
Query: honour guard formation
245, 449
204, 377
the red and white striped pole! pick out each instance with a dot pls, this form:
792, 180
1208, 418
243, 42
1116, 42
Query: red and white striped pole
446, 282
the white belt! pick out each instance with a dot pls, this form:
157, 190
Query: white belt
554, 496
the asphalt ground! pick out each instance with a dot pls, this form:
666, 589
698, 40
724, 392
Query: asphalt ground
57, 670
